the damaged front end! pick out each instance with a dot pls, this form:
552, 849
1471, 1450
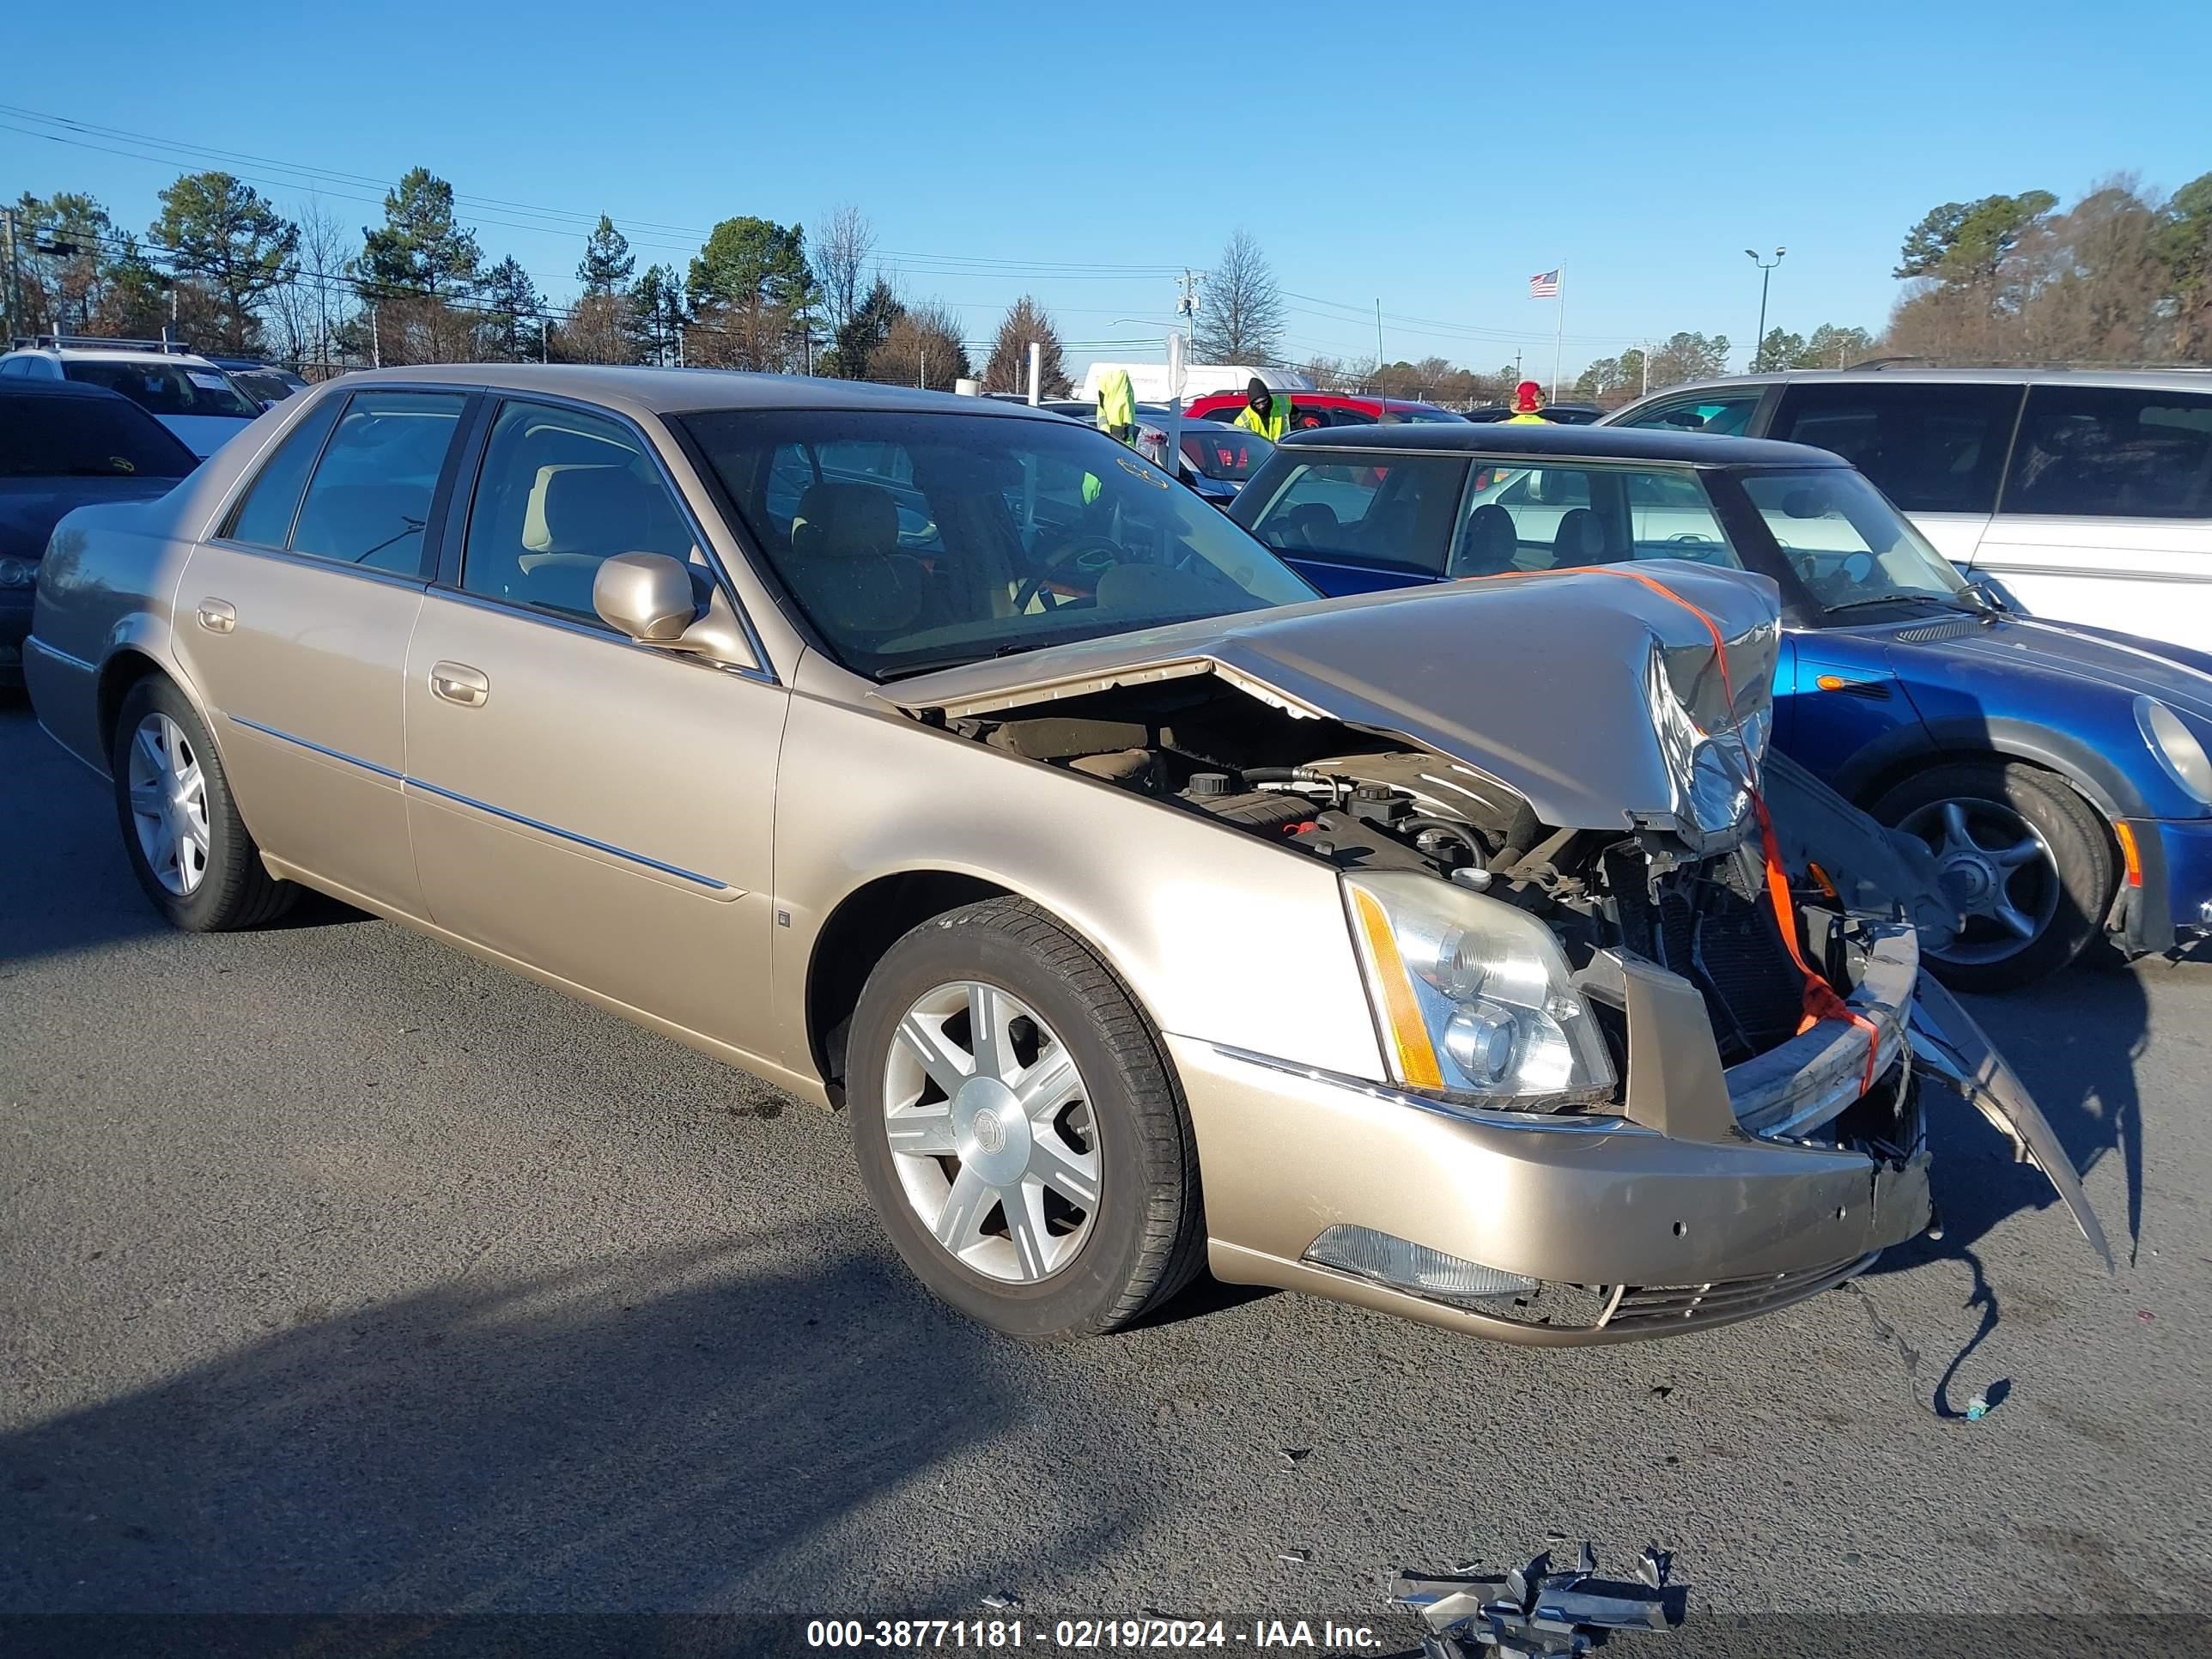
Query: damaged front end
1645, 996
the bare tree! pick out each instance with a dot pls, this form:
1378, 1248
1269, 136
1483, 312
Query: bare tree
921, 348
311, 309
843, 248
596, 329
1240, 312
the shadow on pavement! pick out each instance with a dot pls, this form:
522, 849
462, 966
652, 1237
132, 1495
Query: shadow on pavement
696, 1430
2075, 1040
65, 883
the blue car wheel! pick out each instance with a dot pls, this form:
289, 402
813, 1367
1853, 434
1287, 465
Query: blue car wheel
2026, 860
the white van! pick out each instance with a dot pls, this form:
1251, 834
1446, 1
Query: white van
2086, 494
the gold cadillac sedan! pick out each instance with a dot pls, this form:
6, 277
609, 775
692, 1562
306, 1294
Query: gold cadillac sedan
943, 762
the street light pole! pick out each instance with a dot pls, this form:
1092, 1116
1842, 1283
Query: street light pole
1766, 273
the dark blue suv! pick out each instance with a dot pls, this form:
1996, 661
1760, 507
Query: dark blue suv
2059, 773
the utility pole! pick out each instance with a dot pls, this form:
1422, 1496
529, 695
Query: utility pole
1558, 329
375, 342
1378, 337
544, 351
14, 274
1187, 300
1766, 274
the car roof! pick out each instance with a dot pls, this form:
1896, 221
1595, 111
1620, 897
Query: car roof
78, 354
681, 391
1593, 443
2158, 380
79, 389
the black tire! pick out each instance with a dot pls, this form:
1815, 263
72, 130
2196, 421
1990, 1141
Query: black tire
1147, 1232
2072, 832
236, 889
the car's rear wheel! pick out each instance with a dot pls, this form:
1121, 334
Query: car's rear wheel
180, 827
2026, 860
1018, 1129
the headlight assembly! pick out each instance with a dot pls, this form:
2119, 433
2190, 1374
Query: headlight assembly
2176, 747
1472, 995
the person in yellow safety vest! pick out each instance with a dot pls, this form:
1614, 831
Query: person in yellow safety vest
1116, 415
1264, 412
1528, 405
1117, 407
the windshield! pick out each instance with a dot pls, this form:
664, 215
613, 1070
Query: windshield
1393, 413
165, 387
1231, 453
1848, 545
86, 437
921, 540
267, 384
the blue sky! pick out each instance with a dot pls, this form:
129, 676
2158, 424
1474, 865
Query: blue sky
1403, 153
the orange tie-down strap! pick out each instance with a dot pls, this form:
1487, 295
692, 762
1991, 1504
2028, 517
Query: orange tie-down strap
1819, 999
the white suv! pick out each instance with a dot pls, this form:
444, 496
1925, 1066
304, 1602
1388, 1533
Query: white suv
186, 393
2087, 494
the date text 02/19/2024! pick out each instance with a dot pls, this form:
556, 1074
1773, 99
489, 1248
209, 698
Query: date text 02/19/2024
1081, 1635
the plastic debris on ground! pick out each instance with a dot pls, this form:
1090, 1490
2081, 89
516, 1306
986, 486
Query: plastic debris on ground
1002, 1601
1541, 1611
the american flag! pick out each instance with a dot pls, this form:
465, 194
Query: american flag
1544, 285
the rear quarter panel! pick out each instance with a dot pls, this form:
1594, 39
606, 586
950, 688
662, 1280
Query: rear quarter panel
107, 583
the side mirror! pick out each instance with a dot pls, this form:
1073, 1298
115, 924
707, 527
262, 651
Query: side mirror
646, 596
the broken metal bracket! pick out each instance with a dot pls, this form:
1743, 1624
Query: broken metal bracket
1538, 1612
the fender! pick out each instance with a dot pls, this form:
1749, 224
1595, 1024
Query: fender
2103, 785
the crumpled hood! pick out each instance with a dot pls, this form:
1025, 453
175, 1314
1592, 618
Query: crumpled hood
1594, 696
2138, 667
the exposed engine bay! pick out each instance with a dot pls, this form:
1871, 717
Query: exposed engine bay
1367, 800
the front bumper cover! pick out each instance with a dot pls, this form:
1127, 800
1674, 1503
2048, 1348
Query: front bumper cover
2172, 903
1711, 1197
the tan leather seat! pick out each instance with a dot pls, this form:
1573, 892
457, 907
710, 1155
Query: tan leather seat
846, 568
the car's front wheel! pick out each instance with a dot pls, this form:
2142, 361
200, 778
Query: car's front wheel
1018, 1129
187, 843
2026, 860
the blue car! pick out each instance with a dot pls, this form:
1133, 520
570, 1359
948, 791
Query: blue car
62, 445
2058, 773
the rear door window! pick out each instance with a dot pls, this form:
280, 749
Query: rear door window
1389, 513
1930, 448
1557, 518
1729, 416
369, 501
2099, 452
263, 514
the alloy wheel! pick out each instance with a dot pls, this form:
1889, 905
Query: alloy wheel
1996, 867
992, 1132
169, 803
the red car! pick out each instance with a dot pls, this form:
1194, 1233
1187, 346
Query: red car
1315, 409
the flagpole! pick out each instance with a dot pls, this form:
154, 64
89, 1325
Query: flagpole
1558, 333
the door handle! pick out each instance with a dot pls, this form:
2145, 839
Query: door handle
458, 682
217, 616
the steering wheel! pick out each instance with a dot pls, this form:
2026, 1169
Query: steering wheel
1856, 567
1101, 552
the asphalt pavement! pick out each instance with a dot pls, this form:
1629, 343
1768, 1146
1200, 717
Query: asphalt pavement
343, 1274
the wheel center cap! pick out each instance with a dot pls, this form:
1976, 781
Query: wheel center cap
1967, 880
991, 1130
